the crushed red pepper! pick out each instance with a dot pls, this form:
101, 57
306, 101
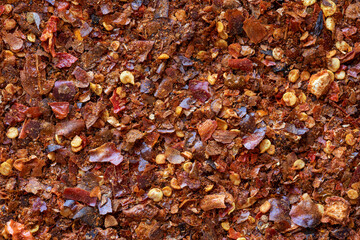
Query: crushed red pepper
217, 119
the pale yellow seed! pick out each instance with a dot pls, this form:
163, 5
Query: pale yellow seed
209, 187
278, 53
264, 145
307, 3
241, 238
304, 36
96, 88
271, 150
302, 97
212, 78
160, 159
180, 15
223, 35
108, 27
58, 139
303, 116
225, 225
76, 142
299, 164
127, 77
115, 45
304, 76
12, 133
340, 75
330, 24
31, 37
251, 219
5, 168
180, 134
76, 149
352, 194
343, 46
350, 139
289, 99
333, 64
178, 110
235, 179
34, 229
113, 121
294, 75
219, 27
51, 156
155, 194
163, 56
221, 43
265, 207
175, 184
187, 154
187, 166
167, 191
328, 10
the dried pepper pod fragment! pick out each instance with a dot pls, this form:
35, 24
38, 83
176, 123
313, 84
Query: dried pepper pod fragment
306, 213
18, 231
33, 77
255, 30
320, 82
337, 211
206, 129
64, 60
61, 109
251, 141
241, 64
213, 201
70, 128
47, 38
80, 195
106, 153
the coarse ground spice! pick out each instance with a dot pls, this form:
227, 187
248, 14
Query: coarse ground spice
179, 119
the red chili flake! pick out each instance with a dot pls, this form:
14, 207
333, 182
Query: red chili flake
47, 37
80, 195
349, 31
254, 30
334, 92
65, 60
82, 77
200, 90
268, 63
235, 19
234, 50
106, 153
117, 102
241, 64
33, 112
17, 113
30, 128
61, 109
234, 234
18, 231
63, 6
206, 129
350, 55
2, 9
250, 142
